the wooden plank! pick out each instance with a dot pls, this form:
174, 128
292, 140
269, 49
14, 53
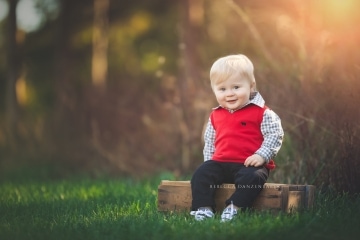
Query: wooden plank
176, 196
225, 185
296, 200
269, 199
175, 183
284, 197
309, 196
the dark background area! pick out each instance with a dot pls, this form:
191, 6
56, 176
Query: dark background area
121, 88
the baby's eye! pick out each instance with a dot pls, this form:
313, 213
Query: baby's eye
236, 87
222, 89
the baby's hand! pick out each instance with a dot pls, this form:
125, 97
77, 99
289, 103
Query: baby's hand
254, 160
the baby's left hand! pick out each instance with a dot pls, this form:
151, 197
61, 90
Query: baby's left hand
254, 160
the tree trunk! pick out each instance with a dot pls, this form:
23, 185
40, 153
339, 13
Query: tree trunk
100, 42
191, 15
13, 68
64, 62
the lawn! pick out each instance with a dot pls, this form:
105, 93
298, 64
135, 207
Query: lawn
85, 208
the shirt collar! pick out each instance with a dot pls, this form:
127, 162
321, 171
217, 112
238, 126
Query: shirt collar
255, 98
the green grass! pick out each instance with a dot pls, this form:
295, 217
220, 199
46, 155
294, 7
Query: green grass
126, 209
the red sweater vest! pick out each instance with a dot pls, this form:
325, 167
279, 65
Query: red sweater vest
238, 134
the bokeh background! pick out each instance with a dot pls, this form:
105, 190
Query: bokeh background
121, 88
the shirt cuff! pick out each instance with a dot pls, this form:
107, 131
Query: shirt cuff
263, 153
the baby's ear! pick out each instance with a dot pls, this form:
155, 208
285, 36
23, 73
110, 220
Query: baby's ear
253, 87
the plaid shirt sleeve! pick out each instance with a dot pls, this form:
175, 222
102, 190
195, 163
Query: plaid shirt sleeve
209, 139
273, 135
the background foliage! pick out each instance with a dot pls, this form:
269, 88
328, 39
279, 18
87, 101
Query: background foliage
145, 112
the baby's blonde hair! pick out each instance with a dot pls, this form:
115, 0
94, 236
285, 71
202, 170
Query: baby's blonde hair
226, 66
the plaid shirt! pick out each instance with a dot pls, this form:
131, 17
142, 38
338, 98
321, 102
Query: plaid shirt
271, 130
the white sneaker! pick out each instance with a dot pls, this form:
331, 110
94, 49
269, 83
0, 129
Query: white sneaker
202, 213
228, 214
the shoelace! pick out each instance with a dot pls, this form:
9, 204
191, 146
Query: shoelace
228, 213
201, 214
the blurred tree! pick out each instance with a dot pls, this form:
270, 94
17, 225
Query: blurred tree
191, 19
63, 58
13, 72
100, 42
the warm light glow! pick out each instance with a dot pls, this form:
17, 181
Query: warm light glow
140, 22
21, 91
341, 7
338, 12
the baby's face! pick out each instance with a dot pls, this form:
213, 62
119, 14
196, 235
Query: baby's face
234, 92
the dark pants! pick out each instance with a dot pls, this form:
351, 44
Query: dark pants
209, 175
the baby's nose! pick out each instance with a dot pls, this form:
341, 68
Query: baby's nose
229, 92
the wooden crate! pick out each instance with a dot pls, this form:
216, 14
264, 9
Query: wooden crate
176, 196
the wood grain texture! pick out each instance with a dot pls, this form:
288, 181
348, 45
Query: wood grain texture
176, 196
